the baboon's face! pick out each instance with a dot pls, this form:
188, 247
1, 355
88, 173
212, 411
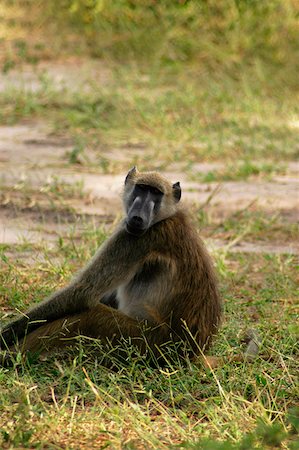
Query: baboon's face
142, 207
148, 198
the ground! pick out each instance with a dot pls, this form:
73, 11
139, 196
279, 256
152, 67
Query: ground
34, 164
61, 174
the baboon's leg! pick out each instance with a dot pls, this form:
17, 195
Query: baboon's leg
100, 322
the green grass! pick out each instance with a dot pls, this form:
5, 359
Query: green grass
73, 397
229, 37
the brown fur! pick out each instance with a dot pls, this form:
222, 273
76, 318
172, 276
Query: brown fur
165, 282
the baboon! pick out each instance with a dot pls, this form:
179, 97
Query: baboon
152, 281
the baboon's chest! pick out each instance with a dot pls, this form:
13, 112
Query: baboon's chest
147, 275
137, 296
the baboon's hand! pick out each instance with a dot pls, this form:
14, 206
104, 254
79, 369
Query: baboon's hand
10, 333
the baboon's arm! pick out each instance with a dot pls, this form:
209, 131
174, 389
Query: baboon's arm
114, 263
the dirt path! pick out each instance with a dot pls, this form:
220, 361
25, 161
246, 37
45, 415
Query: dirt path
74, 74
42, 195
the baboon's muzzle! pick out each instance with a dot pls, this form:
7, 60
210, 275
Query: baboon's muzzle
140, 215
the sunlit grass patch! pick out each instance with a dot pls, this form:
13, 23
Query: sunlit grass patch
148, 406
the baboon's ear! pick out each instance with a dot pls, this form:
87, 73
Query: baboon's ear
177, 192
131, 174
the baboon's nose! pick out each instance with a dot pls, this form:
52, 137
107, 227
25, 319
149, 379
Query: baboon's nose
136, 225
136, 221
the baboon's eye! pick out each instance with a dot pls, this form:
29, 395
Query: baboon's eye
155, 191
143, 187
152, 189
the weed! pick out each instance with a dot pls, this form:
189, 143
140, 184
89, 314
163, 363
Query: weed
75, 155
62, 189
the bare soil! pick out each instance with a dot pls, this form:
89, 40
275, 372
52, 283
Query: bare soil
73, 74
